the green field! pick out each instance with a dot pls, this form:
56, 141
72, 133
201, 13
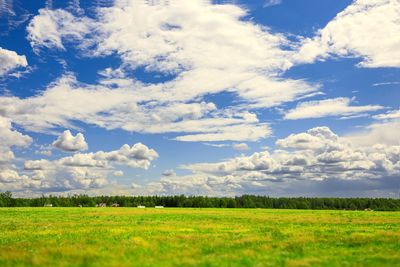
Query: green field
197, 237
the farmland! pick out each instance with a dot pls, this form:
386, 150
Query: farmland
197, 237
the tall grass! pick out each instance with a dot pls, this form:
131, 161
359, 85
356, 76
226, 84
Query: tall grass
197, 237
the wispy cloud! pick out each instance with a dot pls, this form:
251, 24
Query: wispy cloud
269, 3
385, 83
329, 107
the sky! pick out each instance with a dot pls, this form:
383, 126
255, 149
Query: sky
217, 98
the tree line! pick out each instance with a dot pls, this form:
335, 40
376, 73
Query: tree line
244, 201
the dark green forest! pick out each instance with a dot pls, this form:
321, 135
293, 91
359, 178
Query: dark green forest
245, 201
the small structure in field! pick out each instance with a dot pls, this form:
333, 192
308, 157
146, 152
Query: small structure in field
48, 205
141, 207
101, 205
368, 209
159, 207
115, 205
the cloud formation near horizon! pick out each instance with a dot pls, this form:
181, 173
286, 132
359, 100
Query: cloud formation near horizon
315, 155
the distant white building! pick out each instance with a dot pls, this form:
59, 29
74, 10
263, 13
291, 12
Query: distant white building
48, 205
141, 207
159, 207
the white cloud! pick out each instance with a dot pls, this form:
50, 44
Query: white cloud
236, 146
269, 3
41, 164
385, 83
10, 138
135, 186
367, 28
314, 139
10, 60
393, 114
216, 145
238, 132
118, 173
179, 37
67, 142
240, 146
9, 176
50, 27
6, 156
377, 133
328, 107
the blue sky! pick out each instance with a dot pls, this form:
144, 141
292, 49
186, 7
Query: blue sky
280, 98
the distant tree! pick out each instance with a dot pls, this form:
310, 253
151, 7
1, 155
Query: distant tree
244, 201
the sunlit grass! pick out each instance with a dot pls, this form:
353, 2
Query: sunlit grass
197, 237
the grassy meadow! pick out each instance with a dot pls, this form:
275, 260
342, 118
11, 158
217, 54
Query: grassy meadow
197, 237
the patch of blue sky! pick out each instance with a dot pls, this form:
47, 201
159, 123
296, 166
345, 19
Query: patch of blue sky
301, 18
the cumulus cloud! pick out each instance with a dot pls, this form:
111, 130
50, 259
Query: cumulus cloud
136, 156
9, 138
366, 28
314, 139
9, 176
340, 106
41, 164
10, 60
80, 171
316, 155
67, 142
